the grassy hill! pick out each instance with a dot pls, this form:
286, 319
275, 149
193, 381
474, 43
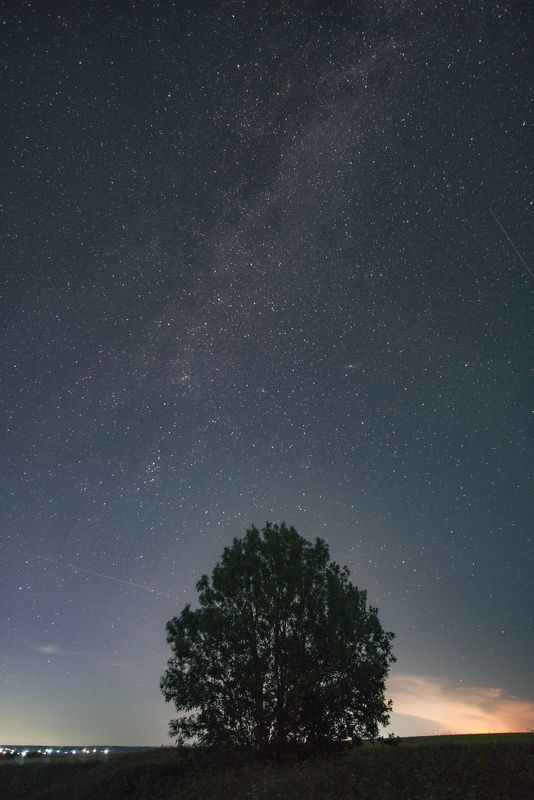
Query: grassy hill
481, 767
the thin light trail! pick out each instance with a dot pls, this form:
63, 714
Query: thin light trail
516, 251
76, 568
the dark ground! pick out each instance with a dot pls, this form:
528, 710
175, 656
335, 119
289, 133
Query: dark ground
485, 767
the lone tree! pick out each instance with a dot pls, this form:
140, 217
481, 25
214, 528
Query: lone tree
282, 654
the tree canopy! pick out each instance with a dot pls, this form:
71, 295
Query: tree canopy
282, 652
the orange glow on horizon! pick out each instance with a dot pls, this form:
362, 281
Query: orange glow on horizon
436, 706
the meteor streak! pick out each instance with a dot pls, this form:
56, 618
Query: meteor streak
76, 568
516, 251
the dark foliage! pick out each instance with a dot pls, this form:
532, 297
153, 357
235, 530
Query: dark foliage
282, 656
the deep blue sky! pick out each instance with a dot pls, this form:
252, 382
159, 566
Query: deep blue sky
263, 261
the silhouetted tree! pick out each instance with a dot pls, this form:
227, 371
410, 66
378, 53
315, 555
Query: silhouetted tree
282, 653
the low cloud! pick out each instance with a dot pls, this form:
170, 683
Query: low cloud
47, 649
424, 705
52, 650
120, 664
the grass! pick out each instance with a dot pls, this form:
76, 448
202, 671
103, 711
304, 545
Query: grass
479, 767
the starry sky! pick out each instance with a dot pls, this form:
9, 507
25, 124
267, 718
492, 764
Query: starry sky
263, 261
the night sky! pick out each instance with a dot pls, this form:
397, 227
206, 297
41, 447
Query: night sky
263, 261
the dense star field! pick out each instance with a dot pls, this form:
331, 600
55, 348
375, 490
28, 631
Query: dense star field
263, 261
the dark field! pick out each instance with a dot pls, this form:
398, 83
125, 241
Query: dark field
481, 767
